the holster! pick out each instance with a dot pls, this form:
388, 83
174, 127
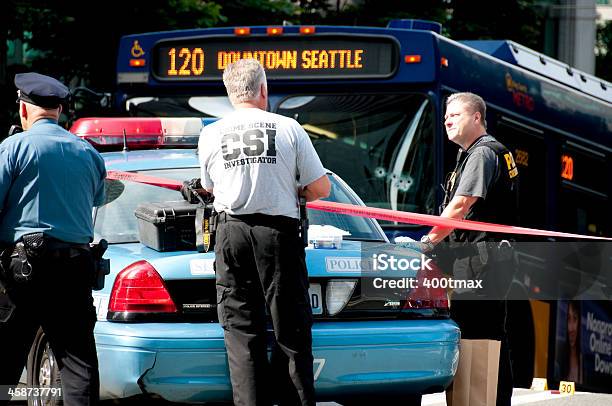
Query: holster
6, 304
101, 265
16, 260
35, 245
16, 267
206, 226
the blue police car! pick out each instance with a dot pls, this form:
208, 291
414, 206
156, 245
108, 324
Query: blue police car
157, 333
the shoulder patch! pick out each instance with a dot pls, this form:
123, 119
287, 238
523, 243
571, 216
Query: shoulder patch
510, 164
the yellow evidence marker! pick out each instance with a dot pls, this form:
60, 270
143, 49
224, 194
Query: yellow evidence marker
539, 384
567, 388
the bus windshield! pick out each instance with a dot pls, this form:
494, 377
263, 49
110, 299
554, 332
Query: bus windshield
380, 144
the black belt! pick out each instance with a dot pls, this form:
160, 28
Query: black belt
61, 249
258, 219
464, 251
472, 248
55, 244
51, 247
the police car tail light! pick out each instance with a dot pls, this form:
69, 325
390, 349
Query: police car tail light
139, 288
431, 291
338, 293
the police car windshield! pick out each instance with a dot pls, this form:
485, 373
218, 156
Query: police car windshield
115, 220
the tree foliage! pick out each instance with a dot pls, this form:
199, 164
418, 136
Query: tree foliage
380, 12
520, 21
259, 12
79, 39
76, 41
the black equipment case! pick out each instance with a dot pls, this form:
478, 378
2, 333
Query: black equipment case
167, 226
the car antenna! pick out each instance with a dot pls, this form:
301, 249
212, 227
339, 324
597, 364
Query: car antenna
125, 144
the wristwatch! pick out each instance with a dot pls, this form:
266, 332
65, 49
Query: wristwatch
425, 240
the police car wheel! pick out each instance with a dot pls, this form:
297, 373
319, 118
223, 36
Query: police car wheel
42, 370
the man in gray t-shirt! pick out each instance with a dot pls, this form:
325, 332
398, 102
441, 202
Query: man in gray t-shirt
257, 164
255, 169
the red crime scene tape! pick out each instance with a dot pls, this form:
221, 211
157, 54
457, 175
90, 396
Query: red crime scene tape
378, 213
148, 180
429, 220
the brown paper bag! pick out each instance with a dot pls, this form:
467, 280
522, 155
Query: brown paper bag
475, 383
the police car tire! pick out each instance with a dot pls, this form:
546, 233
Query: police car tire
41, 356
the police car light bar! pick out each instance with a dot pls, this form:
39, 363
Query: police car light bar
107, 133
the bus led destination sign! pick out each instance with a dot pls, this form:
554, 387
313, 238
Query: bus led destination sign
293, 57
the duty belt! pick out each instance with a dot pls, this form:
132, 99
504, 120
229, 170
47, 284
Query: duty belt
61, 245
66, 250
258, 219
54, 248
486, 250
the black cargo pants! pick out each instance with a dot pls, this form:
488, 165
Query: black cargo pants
59, 300
486, 318
260, 264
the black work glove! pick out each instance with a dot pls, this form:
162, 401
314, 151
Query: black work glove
193, 191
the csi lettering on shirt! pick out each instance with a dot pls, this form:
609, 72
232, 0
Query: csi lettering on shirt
258, 145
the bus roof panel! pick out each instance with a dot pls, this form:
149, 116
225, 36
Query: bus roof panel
518, 90
541, 64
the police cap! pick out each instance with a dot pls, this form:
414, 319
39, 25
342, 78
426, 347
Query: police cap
41, 90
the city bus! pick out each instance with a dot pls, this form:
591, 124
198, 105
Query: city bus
372, 101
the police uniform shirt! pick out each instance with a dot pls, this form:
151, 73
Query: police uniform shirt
49, 181
251, 157
479, 171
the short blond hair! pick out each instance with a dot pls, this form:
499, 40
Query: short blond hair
243, 80
473, 102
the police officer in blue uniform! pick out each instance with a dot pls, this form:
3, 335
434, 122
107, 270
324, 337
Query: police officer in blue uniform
50, 180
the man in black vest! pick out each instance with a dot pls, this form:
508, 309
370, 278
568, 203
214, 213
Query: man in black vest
482, 187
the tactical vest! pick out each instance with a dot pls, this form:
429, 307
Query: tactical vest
500, 204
